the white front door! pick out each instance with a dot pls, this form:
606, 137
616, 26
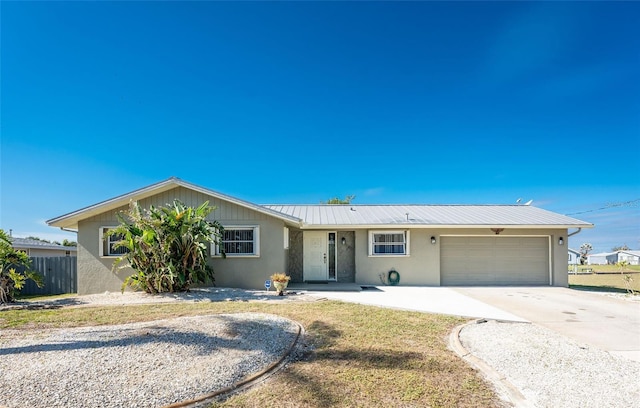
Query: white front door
314, 256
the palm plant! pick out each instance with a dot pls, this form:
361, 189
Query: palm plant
167, 246
15, 269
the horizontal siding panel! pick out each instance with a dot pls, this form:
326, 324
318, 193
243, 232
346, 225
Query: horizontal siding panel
494, 261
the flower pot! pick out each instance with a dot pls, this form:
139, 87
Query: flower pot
280, 286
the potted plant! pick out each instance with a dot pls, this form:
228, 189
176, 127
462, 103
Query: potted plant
280, 282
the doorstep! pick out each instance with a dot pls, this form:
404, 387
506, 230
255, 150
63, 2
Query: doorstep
325, 286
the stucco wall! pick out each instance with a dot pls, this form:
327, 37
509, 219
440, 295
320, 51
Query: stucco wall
251, 272
560, 261
422, 266
95, 273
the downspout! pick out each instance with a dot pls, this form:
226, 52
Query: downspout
68, 230
574, 233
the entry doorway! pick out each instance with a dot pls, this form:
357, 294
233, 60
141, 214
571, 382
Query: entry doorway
319, 256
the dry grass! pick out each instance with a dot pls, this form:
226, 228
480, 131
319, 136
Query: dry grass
606, 268
614, 282
361, 355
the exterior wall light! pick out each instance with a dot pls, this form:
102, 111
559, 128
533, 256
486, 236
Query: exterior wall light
560, 241
344, 241
433, 240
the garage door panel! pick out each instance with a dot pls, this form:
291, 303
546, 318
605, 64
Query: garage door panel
494, 260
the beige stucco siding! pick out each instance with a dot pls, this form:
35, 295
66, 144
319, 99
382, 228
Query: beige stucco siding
251, 272
559, 259
422, 266
95, 272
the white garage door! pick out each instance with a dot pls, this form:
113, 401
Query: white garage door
494, 261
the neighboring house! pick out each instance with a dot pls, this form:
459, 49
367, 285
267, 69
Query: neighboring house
34, 247
427, 244
574, 257
602, 258
633, 257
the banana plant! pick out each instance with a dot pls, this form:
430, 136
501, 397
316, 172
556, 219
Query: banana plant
167, 247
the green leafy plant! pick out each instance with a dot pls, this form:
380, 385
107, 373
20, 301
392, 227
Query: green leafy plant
15, 270
336, 200
167, 246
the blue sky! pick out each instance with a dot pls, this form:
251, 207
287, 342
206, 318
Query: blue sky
297, 102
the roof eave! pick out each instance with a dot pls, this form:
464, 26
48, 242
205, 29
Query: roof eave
438, 226
70, 220
50, 247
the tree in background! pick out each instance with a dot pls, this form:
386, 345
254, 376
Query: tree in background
621, 248
66, 242
584, 252
38, 239
43, 240
167, 246
12, 279
336, 200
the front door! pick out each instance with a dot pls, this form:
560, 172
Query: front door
315, 256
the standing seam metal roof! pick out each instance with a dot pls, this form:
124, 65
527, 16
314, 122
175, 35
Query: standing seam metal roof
34, 243
463, 215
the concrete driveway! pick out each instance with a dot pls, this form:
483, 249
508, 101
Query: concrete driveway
422, 299
605, 322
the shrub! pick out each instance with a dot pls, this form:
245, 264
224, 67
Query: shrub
15, 270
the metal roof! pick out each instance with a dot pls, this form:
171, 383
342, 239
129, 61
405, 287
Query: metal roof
603, 254
34, 243
427, 215
350, 216
634, 253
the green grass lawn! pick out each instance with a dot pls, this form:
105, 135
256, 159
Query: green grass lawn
361, 355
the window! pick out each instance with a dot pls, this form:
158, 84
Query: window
240, 241
107, 243
388, 243
286, 238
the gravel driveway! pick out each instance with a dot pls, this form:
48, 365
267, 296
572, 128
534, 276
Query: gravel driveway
551, 370
146, 364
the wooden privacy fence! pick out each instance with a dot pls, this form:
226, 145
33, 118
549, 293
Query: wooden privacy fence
60, 275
